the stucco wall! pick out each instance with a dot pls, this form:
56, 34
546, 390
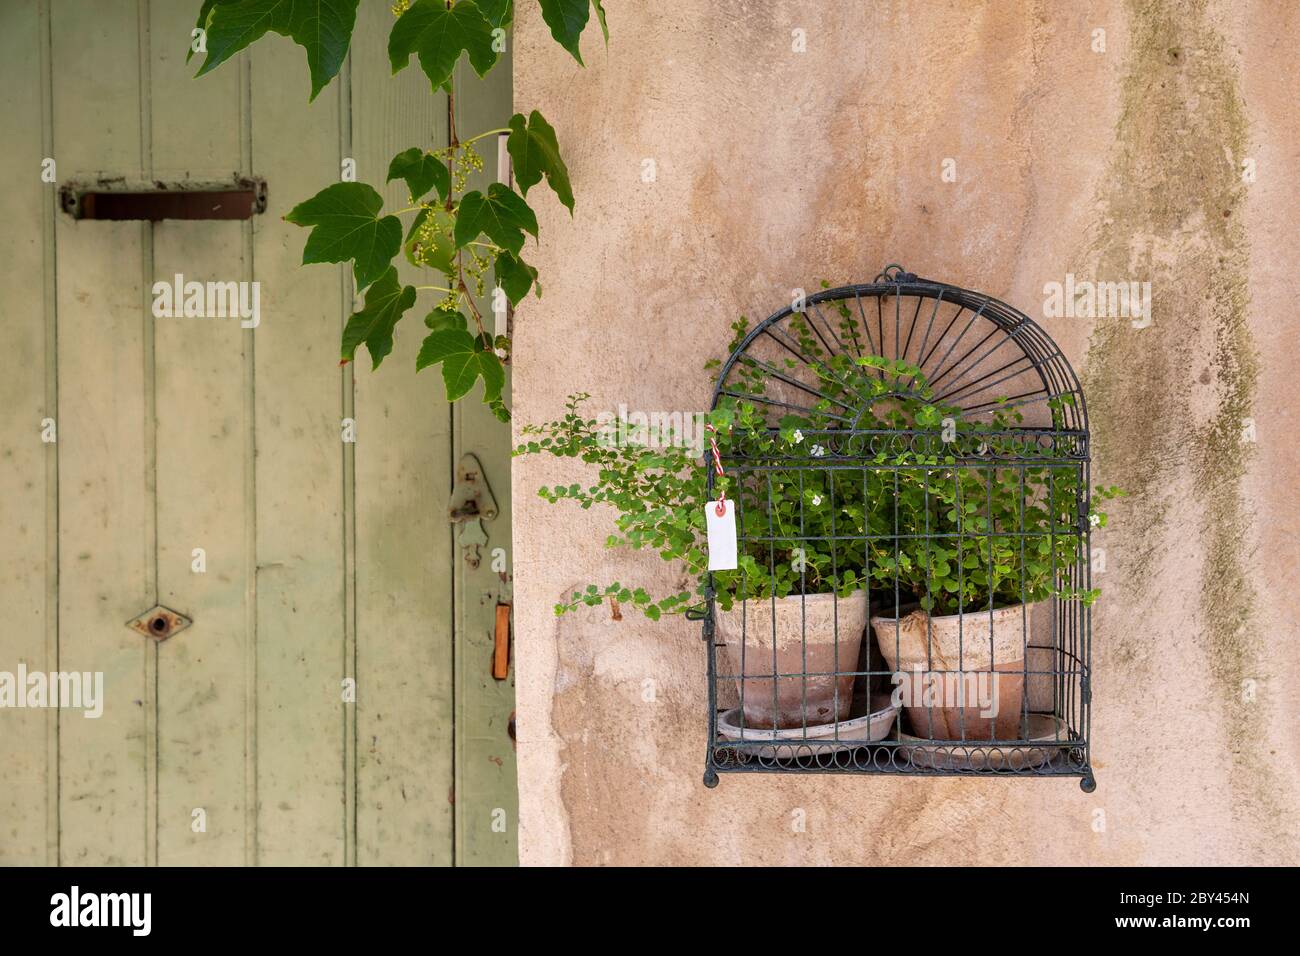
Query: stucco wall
778, 169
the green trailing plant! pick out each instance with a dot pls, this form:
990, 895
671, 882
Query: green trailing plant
959, 530
939, 521
949, 527
463, 235
787, 516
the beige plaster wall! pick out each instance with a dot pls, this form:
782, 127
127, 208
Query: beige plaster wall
778, 169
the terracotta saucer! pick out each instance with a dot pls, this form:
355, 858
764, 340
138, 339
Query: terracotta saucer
818, 738
1051, 731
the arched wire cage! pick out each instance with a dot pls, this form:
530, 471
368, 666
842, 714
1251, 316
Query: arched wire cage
908, 466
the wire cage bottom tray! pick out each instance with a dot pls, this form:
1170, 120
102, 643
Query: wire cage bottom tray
1051, 750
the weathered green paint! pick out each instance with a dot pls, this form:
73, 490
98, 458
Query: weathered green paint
403, 538
27, 467
200, 418
325, 560
487, 798
105, 412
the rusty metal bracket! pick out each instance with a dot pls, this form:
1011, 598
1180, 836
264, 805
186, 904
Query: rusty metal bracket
471, 497
115, 197
471, 504
160, 623
471, 538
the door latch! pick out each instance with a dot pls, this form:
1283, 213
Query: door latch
471, 504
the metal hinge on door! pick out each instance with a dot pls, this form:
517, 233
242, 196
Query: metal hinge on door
471, 504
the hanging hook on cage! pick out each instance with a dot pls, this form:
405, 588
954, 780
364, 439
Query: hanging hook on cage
898, 275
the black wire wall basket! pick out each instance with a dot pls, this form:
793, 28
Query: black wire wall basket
908, 465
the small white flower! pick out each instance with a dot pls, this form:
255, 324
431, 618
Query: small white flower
817, 499
1094, 520
817, 451
797, 436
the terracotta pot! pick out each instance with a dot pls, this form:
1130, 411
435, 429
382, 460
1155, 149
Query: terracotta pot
956, 683
802, 628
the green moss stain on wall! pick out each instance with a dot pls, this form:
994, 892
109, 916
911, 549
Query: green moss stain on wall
1169, 402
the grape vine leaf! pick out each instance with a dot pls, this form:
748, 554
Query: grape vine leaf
422, 171
321, 27
498, 13
439, 35
534, 152
515, 276
465, 359
432, 246
567, 19
202, 22
501, 215
347, 226
446, 317
386, 302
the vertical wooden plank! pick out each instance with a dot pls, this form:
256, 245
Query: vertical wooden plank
150, 524
403, 540
348, 397
27, 559
49, 263
487, 796
201, 429
299, 515
105, 542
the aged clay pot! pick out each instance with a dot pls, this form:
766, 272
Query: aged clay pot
802, 628
991, 673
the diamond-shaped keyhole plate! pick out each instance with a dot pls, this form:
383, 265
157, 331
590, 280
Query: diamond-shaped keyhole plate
160, 623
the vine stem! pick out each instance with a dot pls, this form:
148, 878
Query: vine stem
455, 145
469, 298
491, 132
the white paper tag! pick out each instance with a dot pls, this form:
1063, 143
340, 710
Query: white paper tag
722, 535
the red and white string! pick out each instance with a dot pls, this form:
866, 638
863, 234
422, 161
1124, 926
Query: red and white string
717, 467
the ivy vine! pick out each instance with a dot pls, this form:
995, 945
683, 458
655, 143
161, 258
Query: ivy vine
463, 235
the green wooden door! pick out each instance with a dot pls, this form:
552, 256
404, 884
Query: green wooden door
332, 702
